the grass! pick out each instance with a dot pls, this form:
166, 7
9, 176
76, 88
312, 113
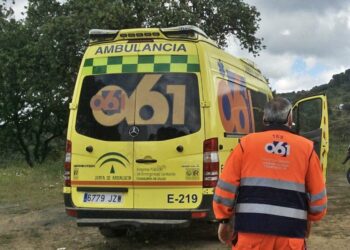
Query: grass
41, 187
336, 155
23, 188
31, 188
6, 238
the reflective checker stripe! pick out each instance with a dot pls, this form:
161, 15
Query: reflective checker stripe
141, 63
266, 182
227, 186
224, 201
317, 209
271, 210
319, 196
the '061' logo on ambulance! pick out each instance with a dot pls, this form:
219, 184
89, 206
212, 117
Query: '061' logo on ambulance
111, 104
278, 147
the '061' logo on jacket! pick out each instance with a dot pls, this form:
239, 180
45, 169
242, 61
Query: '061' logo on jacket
278, 147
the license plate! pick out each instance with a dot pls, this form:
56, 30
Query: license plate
103, 198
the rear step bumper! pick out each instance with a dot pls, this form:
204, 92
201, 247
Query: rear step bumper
134, 223
139, 217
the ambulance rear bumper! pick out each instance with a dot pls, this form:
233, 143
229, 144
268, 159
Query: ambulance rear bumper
134, 223
141, 217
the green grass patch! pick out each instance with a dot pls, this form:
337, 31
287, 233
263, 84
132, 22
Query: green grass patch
25, 188
337, 154
6, 238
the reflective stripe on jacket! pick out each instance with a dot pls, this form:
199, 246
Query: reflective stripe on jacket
272, 182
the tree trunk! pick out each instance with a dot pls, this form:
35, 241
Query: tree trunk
23, 145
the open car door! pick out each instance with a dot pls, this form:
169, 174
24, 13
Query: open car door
311, 121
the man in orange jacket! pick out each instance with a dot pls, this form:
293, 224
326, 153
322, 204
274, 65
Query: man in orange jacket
271, 186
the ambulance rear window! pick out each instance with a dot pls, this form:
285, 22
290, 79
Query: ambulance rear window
138, 106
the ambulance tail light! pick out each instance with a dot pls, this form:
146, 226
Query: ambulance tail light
67, 164
71, 212
210, 163
199, 215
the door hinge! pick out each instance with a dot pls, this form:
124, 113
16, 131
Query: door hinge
205, 104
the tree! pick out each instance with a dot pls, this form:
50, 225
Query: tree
33, 102
41, 54
218, 18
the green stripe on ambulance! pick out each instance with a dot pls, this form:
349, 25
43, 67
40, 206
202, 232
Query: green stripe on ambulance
141, 63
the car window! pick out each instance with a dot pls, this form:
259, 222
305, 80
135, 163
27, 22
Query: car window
241, 109
309, 115
161, 106
258, 101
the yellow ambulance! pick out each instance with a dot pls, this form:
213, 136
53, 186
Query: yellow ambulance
154, 114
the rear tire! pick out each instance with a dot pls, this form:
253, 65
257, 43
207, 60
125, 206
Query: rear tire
348, 175
109, 232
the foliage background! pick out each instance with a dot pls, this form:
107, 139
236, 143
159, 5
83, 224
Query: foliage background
41, 53
40, 57
337, 91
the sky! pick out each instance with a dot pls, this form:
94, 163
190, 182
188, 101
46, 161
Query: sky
307, 41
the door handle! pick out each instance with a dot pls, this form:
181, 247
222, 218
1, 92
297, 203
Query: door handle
146, 160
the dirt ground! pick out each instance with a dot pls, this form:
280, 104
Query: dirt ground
50, 228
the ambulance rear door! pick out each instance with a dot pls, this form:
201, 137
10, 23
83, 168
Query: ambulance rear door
311, 121
102, 149
169, 131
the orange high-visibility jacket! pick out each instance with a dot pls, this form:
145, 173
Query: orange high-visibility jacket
272, 182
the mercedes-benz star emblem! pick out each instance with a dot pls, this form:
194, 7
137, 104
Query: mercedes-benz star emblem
134, 131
